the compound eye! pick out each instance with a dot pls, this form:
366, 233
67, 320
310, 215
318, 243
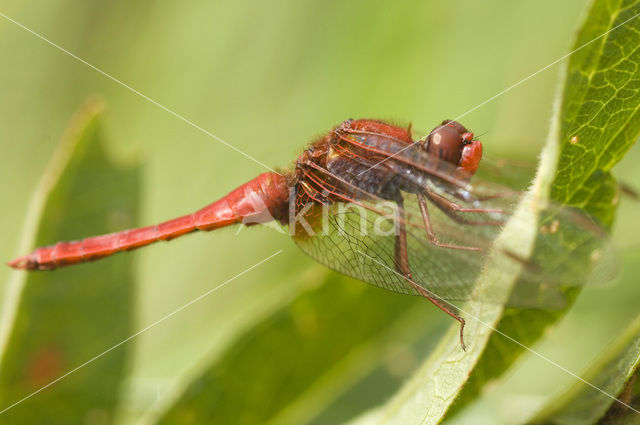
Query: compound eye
455, 125
446, 143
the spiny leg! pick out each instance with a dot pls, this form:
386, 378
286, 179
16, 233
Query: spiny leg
453, 210
459, 208
402, 263
432, 235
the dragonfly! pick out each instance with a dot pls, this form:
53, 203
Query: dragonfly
368, 201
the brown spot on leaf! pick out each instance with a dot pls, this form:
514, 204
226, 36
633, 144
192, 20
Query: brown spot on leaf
45, 366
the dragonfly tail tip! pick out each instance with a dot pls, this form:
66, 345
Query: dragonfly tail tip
21, 263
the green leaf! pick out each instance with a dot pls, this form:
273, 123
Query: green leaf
287, 367
599, 106
613, 373
54, 322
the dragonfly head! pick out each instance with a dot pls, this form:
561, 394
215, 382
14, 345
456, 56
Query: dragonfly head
452, 142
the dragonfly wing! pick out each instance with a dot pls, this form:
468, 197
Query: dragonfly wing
570, 250
352, 230
346, 245
359, 239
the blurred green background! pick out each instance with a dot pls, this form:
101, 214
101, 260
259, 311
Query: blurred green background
268, 78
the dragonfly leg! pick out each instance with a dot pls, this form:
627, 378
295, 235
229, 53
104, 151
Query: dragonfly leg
453, 210
431, 234
402, 263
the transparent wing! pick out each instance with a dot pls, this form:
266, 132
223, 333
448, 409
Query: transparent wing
353, 231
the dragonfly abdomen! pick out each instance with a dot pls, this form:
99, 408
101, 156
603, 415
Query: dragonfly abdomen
262, 199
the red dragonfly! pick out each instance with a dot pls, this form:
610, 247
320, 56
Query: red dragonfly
359, 200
